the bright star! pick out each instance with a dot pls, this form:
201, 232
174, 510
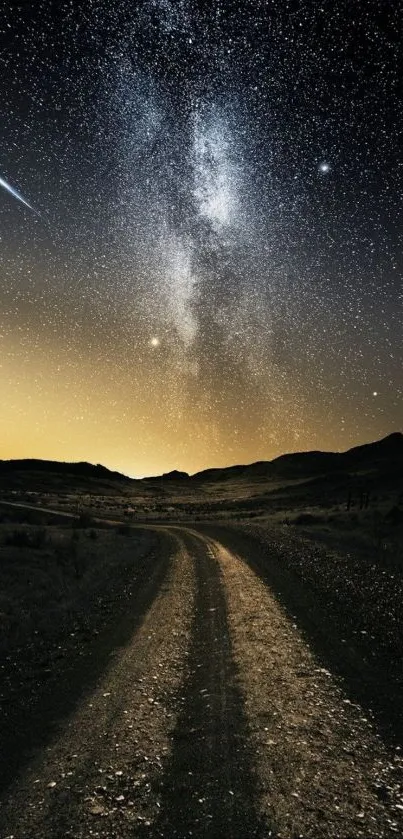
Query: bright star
324, 167
155, 342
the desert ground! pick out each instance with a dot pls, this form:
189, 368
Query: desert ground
220, 658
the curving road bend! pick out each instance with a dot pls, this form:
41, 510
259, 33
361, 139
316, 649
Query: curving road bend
213, 720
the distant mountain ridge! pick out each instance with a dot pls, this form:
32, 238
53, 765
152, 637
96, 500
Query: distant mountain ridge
174, 475
301, 464
81, 468
387, 452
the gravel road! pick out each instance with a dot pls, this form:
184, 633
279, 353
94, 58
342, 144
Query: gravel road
214, 719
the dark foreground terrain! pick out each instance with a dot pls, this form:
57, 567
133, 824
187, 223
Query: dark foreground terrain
210, 681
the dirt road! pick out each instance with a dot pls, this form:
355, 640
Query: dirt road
213, 720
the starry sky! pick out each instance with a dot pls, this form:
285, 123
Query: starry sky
200, 229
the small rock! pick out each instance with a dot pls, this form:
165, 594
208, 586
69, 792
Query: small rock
97, 809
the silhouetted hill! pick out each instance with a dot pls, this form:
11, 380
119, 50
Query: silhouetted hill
301, 472
54, 476
60, 467
303, 465
388, 449
175, 475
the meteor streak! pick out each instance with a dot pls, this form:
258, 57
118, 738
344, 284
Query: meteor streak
16, 194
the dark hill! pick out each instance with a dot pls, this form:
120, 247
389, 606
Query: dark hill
383, 458
175, 475
54, 476
387, 452
387, 449
83, 469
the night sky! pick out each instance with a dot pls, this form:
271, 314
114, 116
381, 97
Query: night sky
209, 268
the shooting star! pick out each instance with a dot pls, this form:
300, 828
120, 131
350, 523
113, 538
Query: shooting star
16, 194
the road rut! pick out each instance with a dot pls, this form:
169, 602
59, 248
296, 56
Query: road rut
210, 784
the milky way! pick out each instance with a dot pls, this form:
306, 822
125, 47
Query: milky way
218, 277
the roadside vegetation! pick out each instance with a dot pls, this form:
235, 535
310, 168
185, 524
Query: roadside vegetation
56, 578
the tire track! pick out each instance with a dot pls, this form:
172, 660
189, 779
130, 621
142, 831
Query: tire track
209, 789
